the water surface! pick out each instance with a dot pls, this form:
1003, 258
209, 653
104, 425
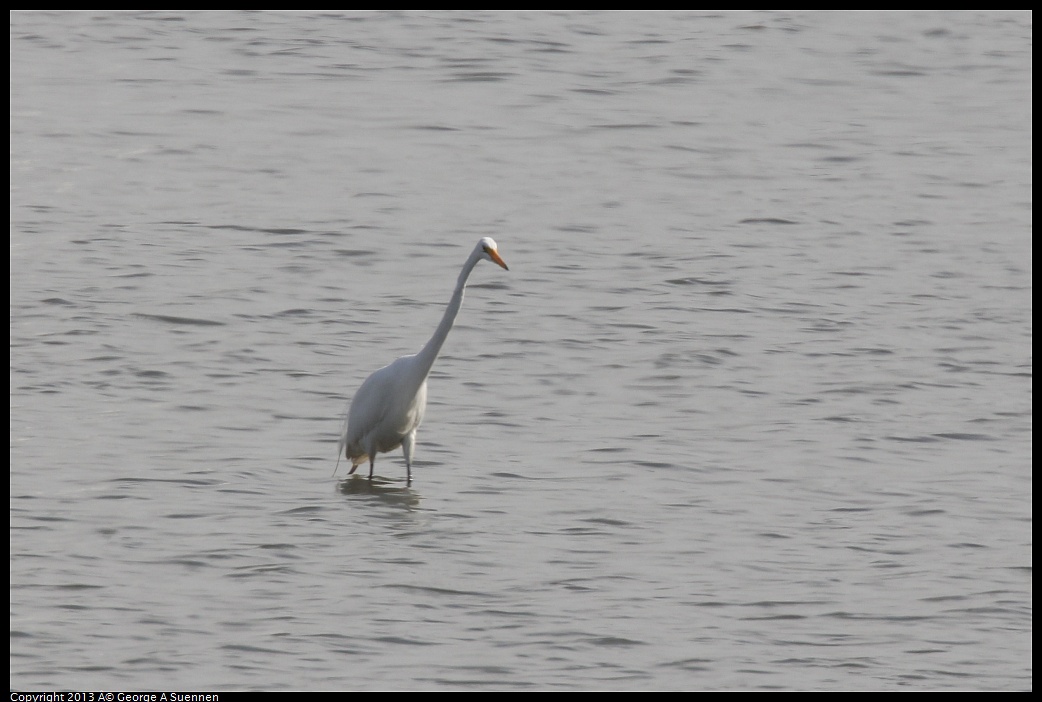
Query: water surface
750, 410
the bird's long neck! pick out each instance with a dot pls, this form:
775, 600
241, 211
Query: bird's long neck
429, 353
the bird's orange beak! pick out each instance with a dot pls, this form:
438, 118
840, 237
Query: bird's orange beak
494, 255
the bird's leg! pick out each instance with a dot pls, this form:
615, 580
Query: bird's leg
408, 442
372, 460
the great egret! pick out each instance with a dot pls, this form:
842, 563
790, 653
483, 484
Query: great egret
389, 406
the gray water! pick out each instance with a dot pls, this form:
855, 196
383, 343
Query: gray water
750, 410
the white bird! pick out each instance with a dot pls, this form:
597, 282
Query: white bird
389, 406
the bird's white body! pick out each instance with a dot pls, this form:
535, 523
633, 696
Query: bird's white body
385, 413
389, 406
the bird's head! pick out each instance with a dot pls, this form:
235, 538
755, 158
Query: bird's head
490, 252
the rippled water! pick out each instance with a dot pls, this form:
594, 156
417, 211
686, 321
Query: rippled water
751, 409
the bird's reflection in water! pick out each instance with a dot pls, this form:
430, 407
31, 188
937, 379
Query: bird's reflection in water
394, 493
